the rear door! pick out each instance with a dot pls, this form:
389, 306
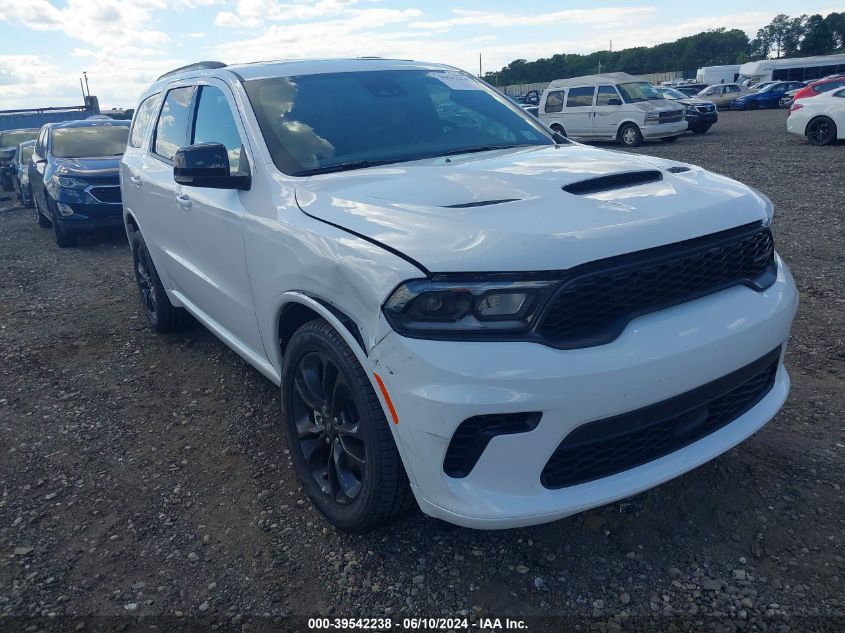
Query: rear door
577, 114
608, 112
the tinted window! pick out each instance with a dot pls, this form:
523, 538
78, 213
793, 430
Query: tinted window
172, 126
89, 142
215, 124
606, 93
840, 94
732, 89
26, 154
144, 117
333, 121
580, 97
17, 137
554, 101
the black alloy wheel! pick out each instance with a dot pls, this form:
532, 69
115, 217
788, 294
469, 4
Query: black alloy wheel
821, 131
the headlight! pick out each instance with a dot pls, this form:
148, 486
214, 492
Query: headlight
652, 117
69, 183
691, 108
430, 308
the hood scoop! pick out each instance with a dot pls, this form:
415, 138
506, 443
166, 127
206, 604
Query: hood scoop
613, 181
678, 169
480, 203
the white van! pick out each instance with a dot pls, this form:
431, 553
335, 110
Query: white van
613, 106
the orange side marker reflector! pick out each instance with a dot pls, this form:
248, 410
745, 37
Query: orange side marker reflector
387, 398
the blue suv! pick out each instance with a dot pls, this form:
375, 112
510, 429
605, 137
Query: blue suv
768, 97
73, 176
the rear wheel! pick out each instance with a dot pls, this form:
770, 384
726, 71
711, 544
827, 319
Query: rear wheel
630, 135
339, 439
557, 127
162, 315
821, 131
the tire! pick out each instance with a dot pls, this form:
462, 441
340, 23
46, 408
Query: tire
162, 315
630, 136
670, 139
339, 439
753, 105
557, 127
701, 130
63, 238
43, 220
821, 131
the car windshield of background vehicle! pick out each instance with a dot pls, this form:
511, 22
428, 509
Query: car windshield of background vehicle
637, 91
336, 121
16, 138
26, 154
90, 142
671, 93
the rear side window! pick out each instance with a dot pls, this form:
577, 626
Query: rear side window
216, 124
732, 89
580, 97
143, 121
606, 93
554, 101
172, 126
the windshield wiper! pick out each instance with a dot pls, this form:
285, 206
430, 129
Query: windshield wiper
353, 164
479, 148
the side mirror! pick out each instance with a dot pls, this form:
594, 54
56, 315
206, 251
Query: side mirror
206, 165
614, 101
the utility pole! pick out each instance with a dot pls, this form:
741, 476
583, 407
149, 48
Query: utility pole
611, 46
479, 65
82, 88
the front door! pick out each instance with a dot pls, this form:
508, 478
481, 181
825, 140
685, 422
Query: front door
607, 113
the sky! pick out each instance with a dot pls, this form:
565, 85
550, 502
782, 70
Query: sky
123, 45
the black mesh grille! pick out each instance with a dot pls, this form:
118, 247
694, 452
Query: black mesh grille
596, 304
106, 194
606, 447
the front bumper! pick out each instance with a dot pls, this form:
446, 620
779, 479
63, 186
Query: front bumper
91, 217
701, 119
435, 385
662, 130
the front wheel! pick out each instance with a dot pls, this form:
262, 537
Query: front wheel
64, 239
162, 315
339, 439
43, 220
753, 105
821, 131
701, 130
630, 135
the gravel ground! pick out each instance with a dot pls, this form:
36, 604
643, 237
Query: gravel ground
145, 476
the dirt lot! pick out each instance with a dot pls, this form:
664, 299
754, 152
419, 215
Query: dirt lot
146, 475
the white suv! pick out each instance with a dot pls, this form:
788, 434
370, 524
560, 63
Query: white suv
509, 325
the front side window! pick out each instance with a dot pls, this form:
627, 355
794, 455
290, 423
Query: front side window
605, 94
636, 91
172, 126
214, 123
840, 94
580, 97
26, 154
144, 117
334, 121
89, 141
554, 101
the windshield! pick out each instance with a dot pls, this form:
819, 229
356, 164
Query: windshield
26, 154
636, 91
334, 121
16, 137
89, 142
671, 93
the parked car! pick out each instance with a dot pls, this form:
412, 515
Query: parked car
507, 325
532, 110
613, 106
787, 99
820, 87
767, 97
20, 172
9, 141
701, 115
74, 177
690, 90
820, 119
721, 94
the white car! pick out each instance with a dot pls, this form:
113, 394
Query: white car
821, 119
459, 308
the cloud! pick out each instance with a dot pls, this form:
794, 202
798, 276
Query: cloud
600, 15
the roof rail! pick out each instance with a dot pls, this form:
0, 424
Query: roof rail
207, 65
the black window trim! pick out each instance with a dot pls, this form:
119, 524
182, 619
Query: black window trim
176, 86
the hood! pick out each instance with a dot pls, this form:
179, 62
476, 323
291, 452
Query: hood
657, 105
693, 101
507, 210
104, 167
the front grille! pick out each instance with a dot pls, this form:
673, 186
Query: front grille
672, 116
606, 447
106, 194
598, 300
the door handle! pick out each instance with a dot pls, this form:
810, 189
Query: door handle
136, 180
183, 201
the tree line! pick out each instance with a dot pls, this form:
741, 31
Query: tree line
784, 36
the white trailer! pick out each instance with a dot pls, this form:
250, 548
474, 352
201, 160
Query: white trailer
712, 75
793, 69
